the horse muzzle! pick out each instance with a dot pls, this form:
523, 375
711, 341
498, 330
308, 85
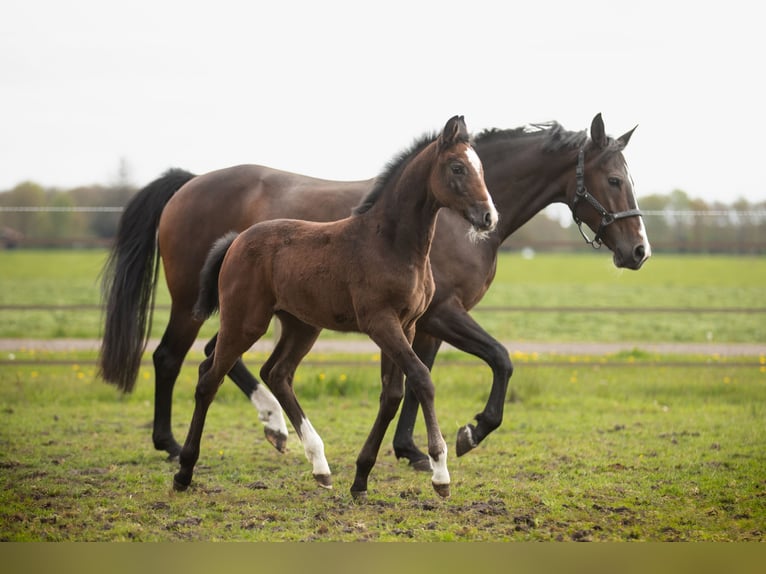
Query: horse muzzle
632, 256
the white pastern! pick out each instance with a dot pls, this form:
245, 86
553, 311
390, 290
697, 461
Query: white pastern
269, 410
314, 449
439, 466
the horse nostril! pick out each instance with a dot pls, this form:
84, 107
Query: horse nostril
639, 252
489, 220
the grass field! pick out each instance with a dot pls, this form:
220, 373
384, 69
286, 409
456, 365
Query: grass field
549, 280
626, 447
588, 451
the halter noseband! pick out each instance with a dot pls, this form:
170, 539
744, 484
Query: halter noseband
607, 218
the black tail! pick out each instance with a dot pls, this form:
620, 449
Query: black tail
129, 278
207, 300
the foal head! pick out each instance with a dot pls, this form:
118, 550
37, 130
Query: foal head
457, 179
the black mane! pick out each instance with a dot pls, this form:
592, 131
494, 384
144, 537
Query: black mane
556, 137
392, 169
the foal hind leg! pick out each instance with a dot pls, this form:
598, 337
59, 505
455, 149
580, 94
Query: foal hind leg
295, 341
269, 409
211, 375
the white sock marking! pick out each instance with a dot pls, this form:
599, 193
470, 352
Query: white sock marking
269, 410
314, 448
439, 466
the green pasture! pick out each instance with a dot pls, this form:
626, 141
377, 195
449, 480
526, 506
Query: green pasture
634, 446
617, 448
584, 280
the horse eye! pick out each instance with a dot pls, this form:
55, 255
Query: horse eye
615, 181
458, 169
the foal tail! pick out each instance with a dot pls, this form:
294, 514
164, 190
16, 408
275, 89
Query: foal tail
207, 300
129, 278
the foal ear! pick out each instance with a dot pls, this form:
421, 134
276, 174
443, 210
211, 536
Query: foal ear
597, 132
625, 138
453, 132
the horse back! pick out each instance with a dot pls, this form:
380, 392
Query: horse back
233, 199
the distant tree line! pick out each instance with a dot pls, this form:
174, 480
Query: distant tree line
34, 216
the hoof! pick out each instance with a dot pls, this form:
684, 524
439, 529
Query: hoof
465, 440
171, 447
359, 495
441, 489
421, 464
179, 485
277, 439
324, 480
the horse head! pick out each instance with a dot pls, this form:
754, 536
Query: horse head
603, 198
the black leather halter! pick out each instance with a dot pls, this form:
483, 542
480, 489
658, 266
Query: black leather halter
581, 193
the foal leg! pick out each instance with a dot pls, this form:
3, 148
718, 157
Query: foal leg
392, 381
211, 374
396, 348
425, 348
295, 341
269, 410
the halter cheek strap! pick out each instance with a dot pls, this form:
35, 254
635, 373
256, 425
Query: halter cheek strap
607, 218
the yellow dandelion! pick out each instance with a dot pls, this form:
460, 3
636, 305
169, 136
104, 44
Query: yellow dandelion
726, 380
321, 376
343, 377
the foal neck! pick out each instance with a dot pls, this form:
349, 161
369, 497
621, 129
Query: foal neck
404, 214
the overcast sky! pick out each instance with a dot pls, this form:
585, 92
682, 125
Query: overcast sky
336, 88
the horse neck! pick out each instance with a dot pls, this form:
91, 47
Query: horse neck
406, 212
524, 179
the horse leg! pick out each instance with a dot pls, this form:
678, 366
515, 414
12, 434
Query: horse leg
425, 348
295, 341
168, 358
455, 326
269, 410
396, 349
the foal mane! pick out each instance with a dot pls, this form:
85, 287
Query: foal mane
391, 170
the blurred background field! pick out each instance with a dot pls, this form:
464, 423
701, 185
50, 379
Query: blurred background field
545, 297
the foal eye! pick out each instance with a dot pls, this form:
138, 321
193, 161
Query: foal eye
457, 169
615, 181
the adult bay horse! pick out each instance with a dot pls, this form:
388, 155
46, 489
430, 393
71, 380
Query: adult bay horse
369, 272
526, 169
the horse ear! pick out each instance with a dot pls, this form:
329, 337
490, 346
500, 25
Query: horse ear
453, 131
597, 132
625, 138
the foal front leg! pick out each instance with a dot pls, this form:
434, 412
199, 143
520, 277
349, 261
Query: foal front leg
396, 349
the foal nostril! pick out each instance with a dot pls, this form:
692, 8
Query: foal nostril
489, 220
